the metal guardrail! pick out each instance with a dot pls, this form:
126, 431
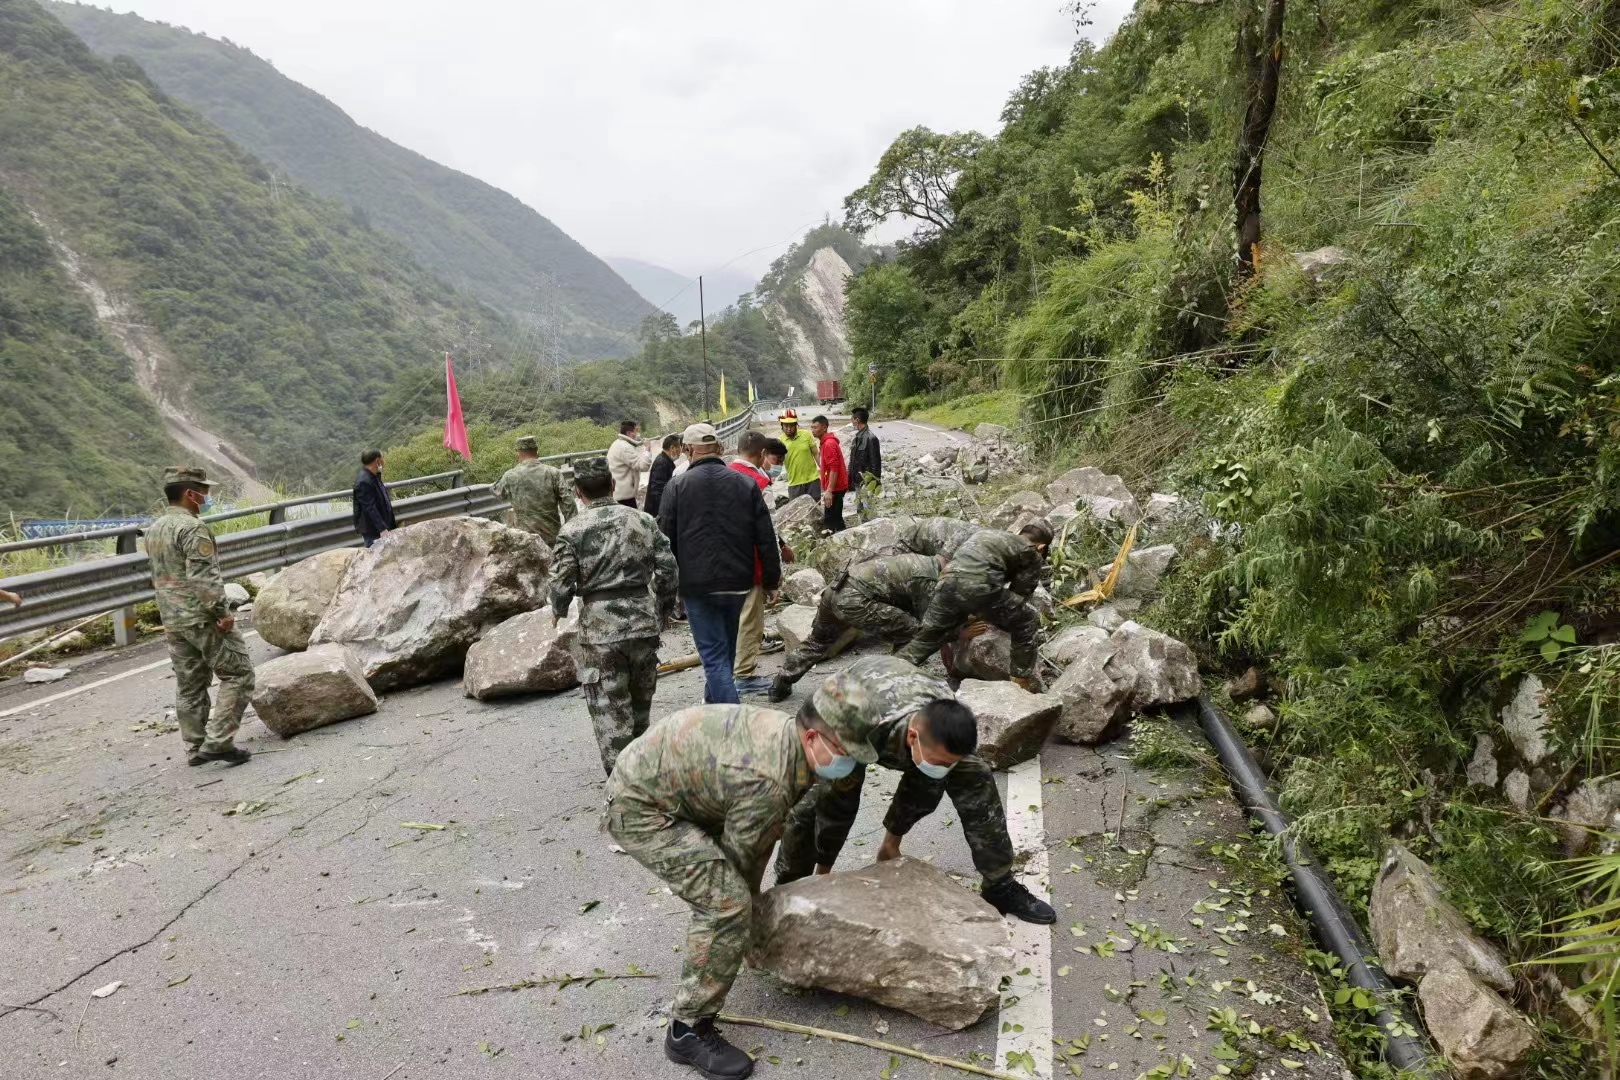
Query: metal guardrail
65, 594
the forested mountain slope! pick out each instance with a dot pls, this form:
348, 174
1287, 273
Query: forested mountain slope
1406, 449
473, 235
276, 318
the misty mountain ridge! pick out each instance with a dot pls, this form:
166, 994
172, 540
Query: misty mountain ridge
677, 293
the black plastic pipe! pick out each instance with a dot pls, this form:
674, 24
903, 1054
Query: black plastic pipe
1314, 895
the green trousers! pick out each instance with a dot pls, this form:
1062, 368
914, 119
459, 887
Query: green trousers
198, 654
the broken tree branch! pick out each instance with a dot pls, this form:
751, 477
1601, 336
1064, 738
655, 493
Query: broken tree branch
559, 981
888, 1048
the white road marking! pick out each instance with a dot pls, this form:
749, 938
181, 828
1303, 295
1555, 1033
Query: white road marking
1032, 1011
120, 677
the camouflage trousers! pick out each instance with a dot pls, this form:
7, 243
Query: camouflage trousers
689, 860
619, 681
840, 611
819, 823
955, 605
199, 653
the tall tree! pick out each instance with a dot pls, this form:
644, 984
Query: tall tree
1260, 51
915, 178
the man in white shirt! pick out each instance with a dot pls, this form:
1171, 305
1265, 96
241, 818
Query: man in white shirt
625, 461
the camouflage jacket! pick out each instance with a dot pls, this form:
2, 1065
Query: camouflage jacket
904, 581
185, 573
898, 690
936, 535
540, 500
733, 770
621, 567
991, 560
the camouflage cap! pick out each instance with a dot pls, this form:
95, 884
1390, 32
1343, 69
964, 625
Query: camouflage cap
526, 444
595, 468
850, 712
186, 474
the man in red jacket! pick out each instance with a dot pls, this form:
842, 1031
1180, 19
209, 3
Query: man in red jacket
834, 476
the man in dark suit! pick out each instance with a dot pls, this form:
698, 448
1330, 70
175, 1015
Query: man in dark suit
373, 509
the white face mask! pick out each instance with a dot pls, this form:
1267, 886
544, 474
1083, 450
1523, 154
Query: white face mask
927, 768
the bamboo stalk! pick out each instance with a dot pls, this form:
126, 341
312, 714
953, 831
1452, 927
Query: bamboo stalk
680, 663
890, 1048
48, 642
549, 980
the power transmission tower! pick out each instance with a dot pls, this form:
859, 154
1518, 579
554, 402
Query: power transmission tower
549, 316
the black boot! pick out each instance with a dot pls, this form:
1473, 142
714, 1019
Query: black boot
1009, 897
234, 756
702, 1047
781, 689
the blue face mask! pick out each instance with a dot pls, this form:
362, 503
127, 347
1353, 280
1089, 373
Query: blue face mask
839, 767
928, 768
775, 472
206, 507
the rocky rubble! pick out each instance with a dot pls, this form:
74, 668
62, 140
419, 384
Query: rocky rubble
1109, 675
311, 689
1460, 976
859, 932
526, 654
288, 608
1104, 495
803, 586
412, 604
993, 452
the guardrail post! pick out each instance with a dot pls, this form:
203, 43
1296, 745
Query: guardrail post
278, 515
124, 618
455, 478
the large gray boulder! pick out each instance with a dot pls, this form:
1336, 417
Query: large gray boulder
1525, 720
800, 513
880, 536
794, 623
1094, 703
1325, 264
1416, 930
1013, 723
804, 586
1069, 645
985, 656
287, 609
1158, 669
1482, 1036
523, 655
412, 604
1016, 507
1105, 495
1589, 811
900, 933
311, 689
1139, 577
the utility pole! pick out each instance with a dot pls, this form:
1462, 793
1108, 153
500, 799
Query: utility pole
703, 331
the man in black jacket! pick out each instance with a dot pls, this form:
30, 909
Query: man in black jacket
663, 467
865, 462
373, 509
717, 523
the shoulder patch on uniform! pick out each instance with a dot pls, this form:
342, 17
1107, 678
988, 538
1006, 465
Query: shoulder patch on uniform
205, 548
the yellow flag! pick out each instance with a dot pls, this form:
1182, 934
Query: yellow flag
751, 392
722, 393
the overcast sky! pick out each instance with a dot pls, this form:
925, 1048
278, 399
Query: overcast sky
686, 133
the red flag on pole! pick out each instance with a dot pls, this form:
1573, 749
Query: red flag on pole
455, 428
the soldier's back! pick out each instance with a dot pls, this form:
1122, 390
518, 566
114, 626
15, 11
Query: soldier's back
937, 535
694, 763
178, 546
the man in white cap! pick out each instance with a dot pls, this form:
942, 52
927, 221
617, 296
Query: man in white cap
718, 526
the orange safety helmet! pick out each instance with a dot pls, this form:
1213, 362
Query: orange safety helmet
789, 416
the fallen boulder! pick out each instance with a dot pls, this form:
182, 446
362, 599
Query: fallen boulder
1250, 686
526, 654
985, 656
46, 674
412, 605
859, 932
1416, 930
1158, 669
236, 595
1106, 617
880, 536
1139, 577
800, 513
1589, 812
1482, 1036
794, 623
1094, 704
1017, 505
804, 586
1069, 645
287, 610
1162, 509
1013, 723
1105, 495
306, 690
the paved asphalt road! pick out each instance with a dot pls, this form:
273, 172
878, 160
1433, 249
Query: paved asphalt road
316, 912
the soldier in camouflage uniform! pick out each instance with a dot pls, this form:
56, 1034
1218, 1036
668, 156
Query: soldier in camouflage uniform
700, 800
883, 597
990, 577
540, 500
922, 731
936, 535
197, 620
622, 569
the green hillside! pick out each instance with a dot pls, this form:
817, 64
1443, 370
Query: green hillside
284, 317
475, 236
76, 433
1409, 445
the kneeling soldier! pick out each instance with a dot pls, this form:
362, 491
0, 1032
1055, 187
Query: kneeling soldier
620, 566
699, 800
197, 620
883, 596
921, 730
